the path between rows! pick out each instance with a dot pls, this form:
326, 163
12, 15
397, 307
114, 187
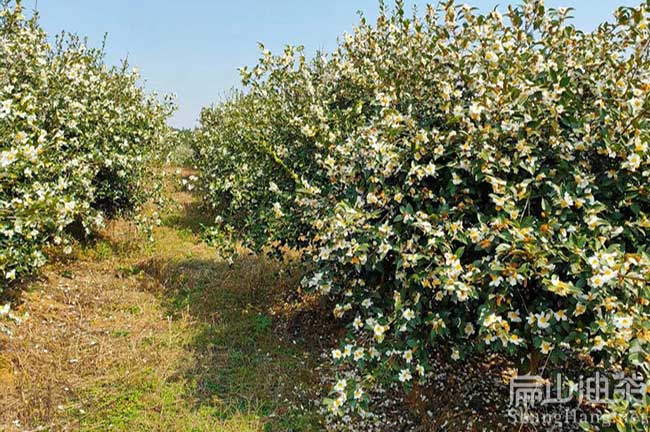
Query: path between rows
161, 336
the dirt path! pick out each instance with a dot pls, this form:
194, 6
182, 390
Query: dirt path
164, 336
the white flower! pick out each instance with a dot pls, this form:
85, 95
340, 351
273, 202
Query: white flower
566, 200
636, 104
69, 206
490, 320
430, 169
633, 162
623, 322
379, 330
384, 100
598, 344
5, 108
405, 375
308, 131
543, 320
499, 201
384, 248
10, 275
475, 111
560, 315
7, 158
514, 316
579, 310
558, 287
21, 137
408, 314
491, 57
597, 281
277, 210
337, 404
31, 153
340, 385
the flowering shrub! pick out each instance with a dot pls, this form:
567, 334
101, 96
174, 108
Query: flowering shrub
477, 180
243, 151
76, 140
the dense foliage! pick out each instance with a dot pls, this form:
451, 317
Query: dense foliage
477, 180
249, 173
76, 141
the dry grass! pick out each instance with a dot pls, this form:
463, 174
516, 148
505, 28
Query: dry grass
132, 336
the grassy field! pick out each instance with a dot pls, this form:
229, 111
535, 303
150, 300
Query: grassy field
161, 336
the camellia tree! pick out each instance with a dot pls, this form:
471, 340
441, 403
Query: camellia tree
465, 182
77, 140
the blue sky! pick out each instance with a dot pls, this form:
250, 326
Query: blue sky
193, 47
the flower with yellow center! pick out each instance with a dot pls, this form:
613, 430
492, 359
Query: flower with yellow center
543, 320
405, 375
566, 200
561, 315
633, 162
636, 104
623, 322
598, 344
597, 281
490, 320
408, 314
491, 57
559, 287
379, 332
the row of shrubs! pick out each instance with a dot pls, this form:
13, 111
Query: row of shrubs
457, 181
76, 140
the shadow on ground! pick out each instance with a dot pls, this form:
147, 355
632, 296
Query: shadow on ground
243, 357
192, 217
